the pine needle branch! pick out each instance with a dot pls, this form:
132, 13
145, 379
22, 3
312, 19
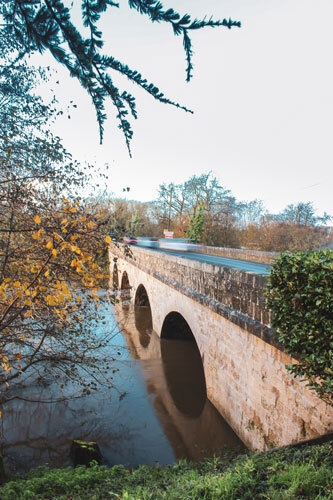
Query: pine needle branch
180, 25
46, 25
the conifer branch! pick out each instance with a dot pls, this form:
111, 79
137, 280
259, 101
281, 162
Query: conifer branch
137, 78
181, 25
46, 25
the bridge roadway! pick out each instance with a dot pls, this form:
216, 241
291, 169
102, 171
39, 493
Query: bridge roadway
243, 265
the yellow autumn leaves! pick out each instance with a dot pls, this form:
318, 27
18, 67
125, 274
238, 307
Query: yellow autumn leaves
58, 254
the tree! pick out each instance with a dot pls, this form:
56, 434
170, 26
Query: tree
296, 228
171, 206
52, 249
47, 262
126, 217
250, 213
205, 189
302, 214
48, 26
178, 203
219, 208
196, 225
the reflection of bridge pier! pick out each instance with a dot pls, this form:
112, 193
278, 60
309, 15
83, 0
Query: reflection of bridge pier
175, 380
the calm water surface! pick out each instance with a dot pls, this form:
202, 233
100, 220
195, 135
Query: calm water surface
157, 411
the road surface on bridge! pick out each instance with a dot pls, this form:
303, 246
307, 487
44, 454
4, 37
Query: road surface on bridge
244, 265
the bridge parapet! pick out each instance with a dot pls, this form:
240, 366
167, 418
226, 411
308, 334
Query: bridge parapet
234, 294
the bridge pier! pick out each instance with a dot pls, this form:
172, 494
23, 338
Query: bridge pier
245, 372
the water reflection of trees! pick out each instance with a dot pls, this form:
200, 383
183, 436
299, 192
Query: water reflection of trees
72, 372
39, 433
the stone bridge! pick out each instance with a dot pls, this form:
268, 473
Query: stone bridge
224, 310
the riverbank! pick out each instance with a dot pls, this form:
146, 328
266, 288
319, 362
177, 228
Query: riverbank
295, 472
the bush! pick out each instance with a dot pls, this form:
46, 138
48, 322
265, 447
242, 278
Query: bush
300, 295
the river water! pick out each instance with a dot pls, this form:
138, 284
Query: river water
156, 411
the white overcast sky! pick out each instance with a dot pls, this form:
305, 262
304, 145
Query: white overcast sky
262, 98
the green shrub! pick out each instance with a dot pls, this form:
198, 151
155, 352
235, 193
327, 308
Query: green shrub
300, 295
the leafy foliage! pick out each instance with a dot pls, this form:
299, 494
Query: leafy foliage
48, 26
196, 225
300, 294
41, 260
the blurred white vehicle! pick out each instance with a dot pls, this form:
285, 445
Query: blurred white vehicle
179, 244
147, 241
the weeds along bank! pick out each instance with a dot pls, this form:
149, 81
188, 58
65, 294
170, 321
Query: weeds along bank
296, 472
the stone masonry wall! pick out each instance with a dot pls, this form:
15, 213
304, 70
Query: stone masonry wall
234, 294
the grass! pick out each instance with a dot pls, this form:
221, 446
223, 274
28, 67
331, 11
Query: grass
301, 472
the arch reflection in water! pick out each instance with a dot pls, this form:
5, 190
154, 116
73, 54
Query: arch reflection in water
125, 289
115, 279
142, 316
182, 366
177, 387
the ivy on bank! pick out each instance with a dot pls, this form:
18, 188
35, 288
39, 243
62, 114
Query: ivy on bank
300, 295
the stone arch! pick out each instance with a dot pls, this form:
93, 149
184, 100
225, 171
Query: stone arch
115, 278
141, 297
143, 316
125, 287
175, 327
182, 365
